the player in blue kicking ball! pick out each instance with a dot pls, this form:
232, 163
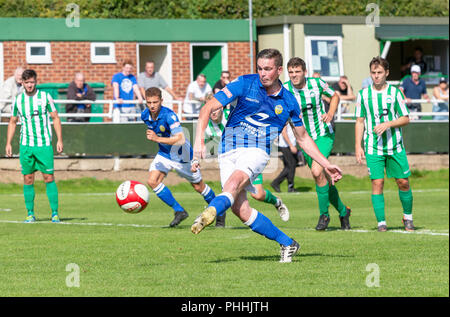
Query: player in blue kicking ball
262, 110
175, 152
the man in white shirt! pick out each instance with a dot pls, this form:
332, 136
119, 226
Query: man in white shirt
195, 95
10, 89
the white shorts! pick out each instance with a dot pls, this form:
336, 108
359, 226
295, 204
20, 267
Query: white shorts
162, 164
251, 161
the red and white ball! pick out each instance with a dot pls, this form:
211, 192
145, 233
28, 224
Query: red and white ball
132, 196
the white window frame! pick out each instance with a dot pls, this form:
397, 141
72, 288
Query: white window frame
33, 59
308, 55
110, 59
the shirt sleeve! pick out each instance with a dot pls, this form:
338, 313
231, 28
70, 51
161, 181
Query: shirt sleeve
295, 114
400, 104
326, 89
115, 79
50, 104
231, 91
174, 123
360, 111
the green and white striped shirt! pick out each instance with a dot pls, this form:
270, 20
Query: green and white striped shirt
378, 107
34, 116
214, 130
311, 104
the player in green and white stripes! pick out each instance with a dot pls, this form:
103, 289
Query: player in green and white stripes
34, 107
380, 114
213, 135
309, 91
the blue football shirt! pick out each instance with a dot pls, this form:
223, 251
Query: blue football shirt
166, 125
126, 92
257, 119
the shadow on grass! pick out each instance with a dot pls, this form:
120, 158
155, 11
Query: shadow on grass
276, 258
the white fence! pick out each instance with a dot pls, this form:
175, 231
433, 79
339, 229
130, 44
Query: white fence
113, 114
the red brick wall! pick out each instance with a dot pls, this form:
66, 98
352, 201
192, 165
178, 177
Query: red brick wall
71, 57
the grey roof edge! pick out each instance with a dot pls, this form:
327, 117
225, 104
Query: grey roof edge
304, 19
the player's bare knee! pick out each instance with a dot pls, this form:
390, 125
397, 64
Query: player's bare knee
377, 186
28, 179
153, 183
199, 187
48, 178
259, 195
403, 184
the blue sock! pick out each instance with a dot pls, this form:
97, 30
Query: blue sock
208, 194
222, 202
165, 195
262, 225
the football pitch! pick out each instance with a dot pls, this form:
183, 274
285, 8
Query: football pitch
98, 250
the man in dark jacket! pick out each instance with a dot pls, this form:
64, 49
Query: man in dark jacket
79, 90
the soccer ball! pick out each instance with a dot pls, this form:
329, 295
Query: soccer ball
132, 196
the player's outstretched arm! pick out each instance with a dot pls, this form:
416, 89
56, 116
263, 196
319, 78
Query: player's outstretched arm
310, 147
203, 118
9, 135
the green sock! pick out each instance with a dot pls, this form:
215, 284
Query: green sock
336, 201
270, 198
52, 194
406, 199
28, 194
323, 196
378, 207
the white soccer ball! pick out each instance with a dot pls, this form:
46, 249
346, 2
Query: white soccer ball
132, 196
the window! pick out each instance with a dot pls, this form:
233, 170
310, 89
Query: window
103, 53
324, 55
38, 53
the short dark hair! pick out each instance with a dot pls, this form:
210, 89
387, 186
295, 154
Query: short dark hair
152, 92
127, 62
271, 53
296, 62
225, 72
28, 73
378, 60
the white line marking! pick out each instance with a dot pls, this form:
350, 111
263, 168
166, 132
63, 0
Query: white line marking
103, 224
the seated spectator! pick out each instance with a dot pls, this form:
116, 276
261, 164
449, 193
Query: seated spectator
79, 90
195, 95
225, 78
150, 78
10, 89
345, 92
417, 59
414, 88
125, 88
440, 92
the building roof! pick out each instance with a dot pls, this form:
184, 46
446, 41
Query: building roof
133, 30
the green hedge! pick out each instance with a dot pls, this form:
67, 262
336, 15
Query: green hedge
217, 9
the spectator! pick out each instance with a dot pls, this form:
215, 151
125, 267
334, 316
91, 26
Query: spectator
344, 91
79, 90
414, 88
440, 92
195, 95
225, 78
150, 78
417, 59
125, 88
10, 89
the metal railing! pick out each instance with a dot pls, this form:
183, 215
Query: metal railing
115, 116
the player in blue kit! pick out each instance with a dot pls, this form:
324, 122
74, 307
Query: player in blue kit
175, 152
262, 110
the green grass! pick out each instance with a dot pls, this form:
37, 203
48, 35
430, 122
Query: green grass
121, 254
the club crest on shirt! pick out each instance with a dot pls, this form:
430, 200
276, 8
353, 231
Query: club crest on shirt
278, 109
161, 128
388, 99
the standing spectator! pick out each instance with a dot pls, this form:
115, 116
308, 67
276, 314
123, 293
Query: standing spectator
79, 90
417, 59
150, 78
10, 89
125, 88
288, 147
195, 95
440, 92
225, 78
344, 91
414, 88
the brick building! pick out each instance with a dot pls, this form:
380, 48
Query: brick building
181, 49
